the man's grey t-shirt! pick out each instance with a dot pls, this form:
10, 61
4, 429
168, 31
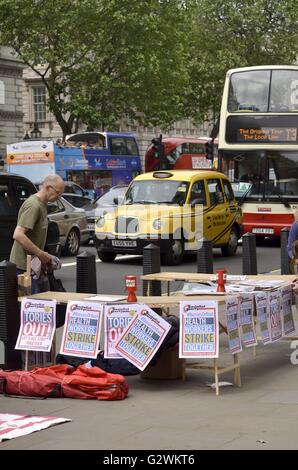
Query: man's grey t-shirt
33, 216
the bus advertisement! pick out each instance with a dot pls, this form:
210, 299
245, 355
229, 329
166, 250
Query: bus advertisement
95, 160
258, 144
181, 153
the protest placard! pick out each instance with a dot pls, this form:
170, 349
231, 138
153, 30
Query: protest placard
287, 320
274, 315
198, 329
38, 324
143, 337
232, 312
247, 321
116, 319
263, 317
82, 326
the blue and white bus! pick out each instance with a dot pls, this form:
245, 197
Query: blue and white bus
95, 160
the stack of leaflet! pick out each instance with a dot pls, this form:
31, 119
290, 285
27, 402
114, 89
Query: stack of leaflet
210, 288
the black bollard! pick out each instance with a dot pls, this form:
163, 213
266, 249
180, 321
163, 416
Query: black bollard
151, 265
249, 254
86, 273
10, 358
205, 256
284, 257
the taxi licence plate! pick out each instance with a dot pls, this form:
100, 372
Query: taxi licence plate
125, 243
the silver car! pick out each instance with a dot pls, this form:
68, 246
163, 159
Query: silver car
72, 225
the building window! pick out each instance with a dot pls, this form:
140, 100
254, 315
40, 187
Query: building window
2, 93
39, 104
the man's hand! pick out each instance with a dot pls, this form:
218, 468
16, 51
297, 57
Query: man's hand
44, 257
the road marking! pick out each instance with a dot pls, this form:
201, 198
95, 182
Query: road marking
67, 265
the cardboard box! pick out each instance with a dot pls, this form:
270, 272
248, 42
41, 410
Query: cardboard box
169, 366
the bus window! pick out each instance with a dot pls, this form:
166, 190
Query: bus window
123, 146
89, 139
249, 91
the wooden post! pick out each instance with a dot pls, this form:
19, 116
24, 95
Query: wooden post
216, 376
237, 376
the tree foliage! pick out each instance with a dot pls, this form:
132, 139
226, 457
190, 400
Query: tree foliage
153, 61
103, 59
235, 33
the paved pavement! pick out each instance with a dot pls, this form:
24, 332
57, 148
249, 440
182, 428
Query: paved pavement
171, 414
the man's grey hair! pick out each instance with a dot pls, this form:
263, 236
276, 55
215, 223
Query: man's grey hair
52, 180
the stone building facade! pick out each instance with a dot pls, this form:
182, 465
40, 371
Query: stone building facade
11, 107
34, 108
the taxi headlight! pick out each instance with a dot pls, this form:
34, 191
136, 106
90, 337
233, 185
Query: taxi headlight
157, 224
100, 222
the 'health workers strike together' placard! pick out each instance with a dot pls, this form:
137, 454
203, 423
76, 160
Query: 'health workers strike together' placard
38, 323
143, 337
81, 332
116, 319
198, 329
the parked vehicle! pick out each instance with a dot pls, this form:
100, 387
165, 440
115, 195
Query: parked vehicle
14, 190
72, 225
76, 195
175, 209
70, 222
102, 205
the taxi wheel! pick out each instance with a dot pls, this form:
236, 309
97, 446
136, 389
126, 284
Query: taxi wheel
231, 248
106, 257
175, 253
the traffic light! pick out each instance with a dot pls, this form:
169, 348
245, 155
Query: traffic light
209, 146
155, 147
159, 152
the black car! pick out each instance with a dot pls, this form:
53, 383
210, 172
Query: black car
14, 190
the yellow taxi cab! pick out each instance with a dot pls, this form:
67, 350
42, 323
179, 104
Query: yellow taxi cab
174, 209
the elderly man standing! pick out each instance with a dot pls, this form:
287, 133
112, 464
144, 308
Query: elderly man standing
31, 231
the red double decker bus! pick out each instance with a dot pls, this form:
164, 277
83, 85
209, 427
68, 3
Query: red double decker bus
185, 153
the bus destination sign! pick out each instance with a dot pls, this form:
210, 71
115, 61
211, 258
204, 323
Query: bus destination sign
267, 134
262, 130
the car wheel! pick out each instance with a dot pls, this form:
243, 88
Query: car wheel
72, 244
231, 248
175, 253
106, 256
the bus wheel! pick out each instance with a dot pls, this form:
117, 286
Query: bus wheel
175, 253
231, 248
72, 244
106, 257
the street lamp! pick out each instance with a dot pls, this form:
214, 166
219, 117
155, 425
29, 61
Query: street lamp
35, 133
26, 136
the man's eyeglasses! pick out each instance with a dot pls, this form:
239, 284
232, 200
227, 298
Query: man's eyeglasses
59, 193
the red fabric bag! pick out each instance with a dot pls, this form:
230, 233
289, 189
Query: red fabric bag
64, 381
